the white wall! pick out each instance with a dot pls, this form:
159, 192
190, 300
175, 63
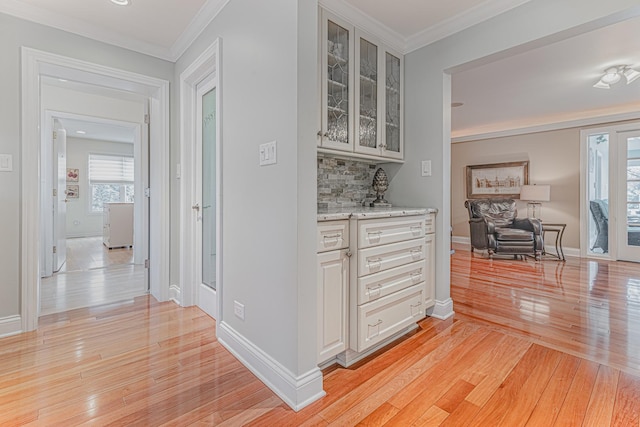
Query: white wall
268, 92
428, 93
80, 221
15, 33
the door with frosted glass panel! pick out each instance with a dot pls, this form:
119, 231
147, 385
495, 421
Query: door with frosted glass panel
628, 225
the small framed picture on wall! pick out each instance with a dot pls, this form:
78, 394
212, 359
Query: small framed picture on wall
73, 191
72, 175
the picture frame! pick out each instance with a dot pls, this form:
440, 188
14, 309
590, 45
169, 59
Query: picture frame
497, 180
73, 175
73, 191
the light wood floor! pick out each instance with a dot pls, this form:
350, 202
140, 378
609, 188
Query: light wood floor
148, 363
92, 275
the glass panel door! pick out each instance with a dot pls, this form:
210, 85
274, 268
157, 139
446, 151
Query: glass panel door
392, 103
337, 86
368, 96
598, 193
209, 189
629, 223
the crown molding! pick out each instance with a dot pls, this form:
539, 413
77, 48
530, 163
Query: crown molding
51, 19
459, 22
546, 127
365, 22
205, 15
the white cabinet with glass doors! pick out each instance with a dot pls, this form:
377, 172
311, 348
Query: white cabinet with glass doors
361, 93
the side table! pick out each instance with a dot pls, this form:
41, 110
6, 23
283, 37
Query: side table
559, 230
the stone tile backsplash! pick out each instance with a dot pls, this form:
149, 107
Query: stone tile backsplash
344, 183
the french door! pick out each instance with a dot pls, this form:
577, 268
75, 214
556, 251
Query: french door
205, 195
628, 224
611, 203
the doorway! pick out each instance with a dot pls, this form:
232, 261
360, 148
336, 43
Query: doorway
102, 237
610, 203
37, 64
201, 183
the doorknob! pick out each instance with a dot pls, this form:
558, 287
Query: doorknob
196, 207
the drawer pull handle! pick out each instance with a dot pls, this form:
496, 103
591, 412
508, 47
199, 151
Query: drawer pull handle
416, 253
416, 229
378, 323
416, 305
374, 235
374, 289
332, 239
333, 236
416, 277
374, 264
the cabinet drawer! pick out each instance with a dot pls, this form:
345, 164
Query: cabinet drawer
333, 235
381, 258
389, 230
382, 318
378, 285
430, 224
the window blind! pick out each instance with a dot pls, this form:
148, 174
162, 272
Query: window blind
110, 169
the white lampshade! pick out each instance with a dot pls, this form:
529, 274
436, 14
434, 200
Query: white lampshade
535, 193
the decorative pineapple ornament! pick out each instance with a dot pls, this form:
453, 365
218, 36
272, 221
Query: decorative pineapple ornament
380, 185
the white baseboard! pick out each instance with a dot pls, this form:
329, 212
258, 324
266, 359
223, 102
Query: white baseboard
11, 325
550, 249
175, 294
349, 357
208, 300
443, 309
295, 391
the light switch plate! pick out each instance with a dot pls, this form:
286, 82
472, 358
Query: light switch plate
6, 163
268, 153
426, 168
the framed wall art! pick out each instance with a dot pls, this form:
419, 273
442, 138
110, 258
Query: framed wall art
73, 175
73, 191
497, 180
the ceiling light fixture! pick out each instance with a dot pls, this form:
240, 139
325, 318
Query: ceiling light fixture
613, 75
121, 2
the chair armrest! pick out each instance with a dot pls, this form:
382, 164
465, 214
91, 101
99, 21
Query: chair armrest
529, 224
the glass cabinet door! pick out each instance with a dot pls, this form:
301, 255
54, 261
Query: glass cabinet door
392, 146
337, 120
367, 95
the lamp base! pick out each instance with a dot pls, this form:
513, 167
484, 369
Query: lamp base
534, 209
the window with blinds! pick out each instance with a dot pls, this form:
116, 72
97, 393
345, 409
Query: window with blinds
110, 180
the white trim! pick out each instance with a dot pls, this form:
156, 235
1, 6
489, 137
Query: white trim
295, 391
205, 15
356, 17
202, 18
10, 325
34, 64
443, 309
470, 17
207, 300
568, 124
461, 239
175, 294
208, 63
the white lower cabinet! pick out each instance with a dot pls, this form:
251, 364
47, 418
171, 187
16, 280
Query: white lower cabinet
367, 299
333, 307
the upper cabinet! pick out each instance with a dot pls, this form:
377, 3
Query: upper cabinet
362, 88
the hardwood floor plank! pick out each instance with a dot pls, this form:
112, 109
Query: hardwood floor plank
454, 396
626, 411
433, 416
553, 397
577, 399
603, 397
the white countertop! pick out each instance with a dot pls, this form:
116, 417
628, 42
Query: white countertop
362, 212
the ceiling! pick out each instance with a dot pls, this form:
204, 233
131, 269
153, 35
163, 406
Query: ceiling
97, 130
551, 84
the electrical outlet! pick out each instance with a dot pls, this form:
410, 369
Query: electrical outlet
238, 310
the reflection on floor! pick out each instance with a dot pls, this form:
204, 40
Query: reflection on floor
585, 307
92, 275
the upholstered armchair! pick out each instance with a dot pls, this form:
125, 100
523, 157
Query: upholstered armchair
495, 228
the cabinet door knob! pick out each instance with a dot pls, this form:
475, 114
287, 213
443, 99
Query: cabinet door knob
319, 133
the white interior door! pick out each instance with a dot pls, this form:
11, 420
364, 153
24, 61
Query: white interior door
204, 205
628, 206
59, 199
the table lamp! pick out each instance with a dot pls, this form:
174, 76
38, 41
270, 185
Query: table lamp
535, 194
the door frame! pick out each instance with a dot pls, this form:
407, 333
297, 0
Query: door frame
206, 65
613, 131
36, 63
625, 252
